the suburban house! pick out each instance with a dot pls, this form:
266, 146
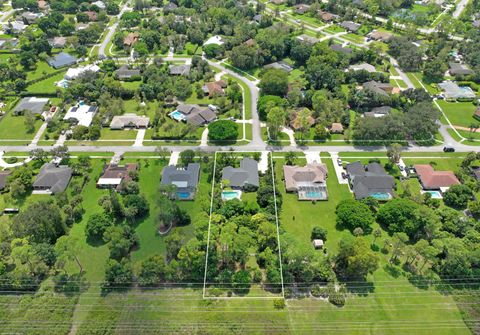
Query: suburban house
246, 176
92, 16
341, 49
3, 179
309, 181
184, 180
435, 180
129, 120
277, 2
8, 43
377, 87
179, 70
350, 26
100, 4
452, 91
378, 111
308, 39
57, 42
213, 89
113, 175
75, 72
193, 114
29, 17
130, 39
61, 60
381, 36
295, 122
257, 18
31, 104
327, 17
214, 40
81, 114
336, 128
370, 181
363, 67
15, 27
301, 8
476, 114
52, 179
281, 65
43, 5
459, 69
125, 72
169, 7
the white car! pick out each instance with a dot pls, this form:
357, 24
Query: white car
339, 161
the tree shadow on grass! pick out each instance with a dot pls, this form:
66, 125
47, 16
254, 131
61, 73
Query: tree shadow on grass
360, 288
393, 270
70, 285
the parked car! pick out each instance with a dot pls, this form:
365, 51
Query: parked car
339, 161
448, 149
344, 175
400, 167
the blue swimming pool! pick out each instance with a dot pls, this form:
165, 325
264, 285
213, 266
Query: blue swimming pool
183, 195
229, 195
380, 196
435, 194
176, 115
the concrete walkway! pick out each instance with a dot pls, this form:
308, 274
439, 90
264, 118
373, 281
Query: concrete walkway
174, 158
338, 169
139, 138
290, 134
39, 134
204, 140
312, 157
6, 165
263, 164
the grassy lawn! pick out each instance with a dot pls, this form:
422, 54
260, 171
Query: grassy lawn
333, 29
354, 38
46, 86
131, 85
247, 96
459, 113
13, 128
41, 70
108, 134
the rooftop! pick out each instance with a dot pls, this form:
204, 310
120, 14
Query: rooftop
52, 178
82, 113
432, 180
61, 60
246, 174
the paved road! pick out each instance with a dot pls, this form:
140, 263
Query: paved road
111, 30
459, 9
6, 15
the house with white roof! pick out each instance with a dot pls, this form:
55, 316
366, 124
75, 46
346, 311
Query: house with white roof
75, 72
82, 114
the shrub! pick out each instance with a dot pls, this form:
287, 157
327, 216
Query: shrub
222, 130
279, 303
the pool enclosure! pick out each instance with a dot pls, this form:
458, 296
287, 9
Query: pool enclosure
312, 192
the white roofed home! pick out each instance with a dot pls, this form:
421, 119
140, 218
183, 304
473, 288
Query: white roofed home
75, 72
81, 113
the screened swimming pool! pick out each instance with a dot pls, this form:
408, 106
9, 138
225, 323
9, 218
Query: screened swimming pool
176, 115
312, 193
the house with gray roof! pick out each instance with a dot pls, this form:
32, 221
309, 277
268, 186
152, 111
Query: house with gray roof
281, 65
459, 69
185, 180
32, 104
125, 72
378, 111
341, 49
377, 87
350, 25
363, 67
308, 39
245, 176
179, 70
194, 114
452, 91
52, 179
370, 181
62, 60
